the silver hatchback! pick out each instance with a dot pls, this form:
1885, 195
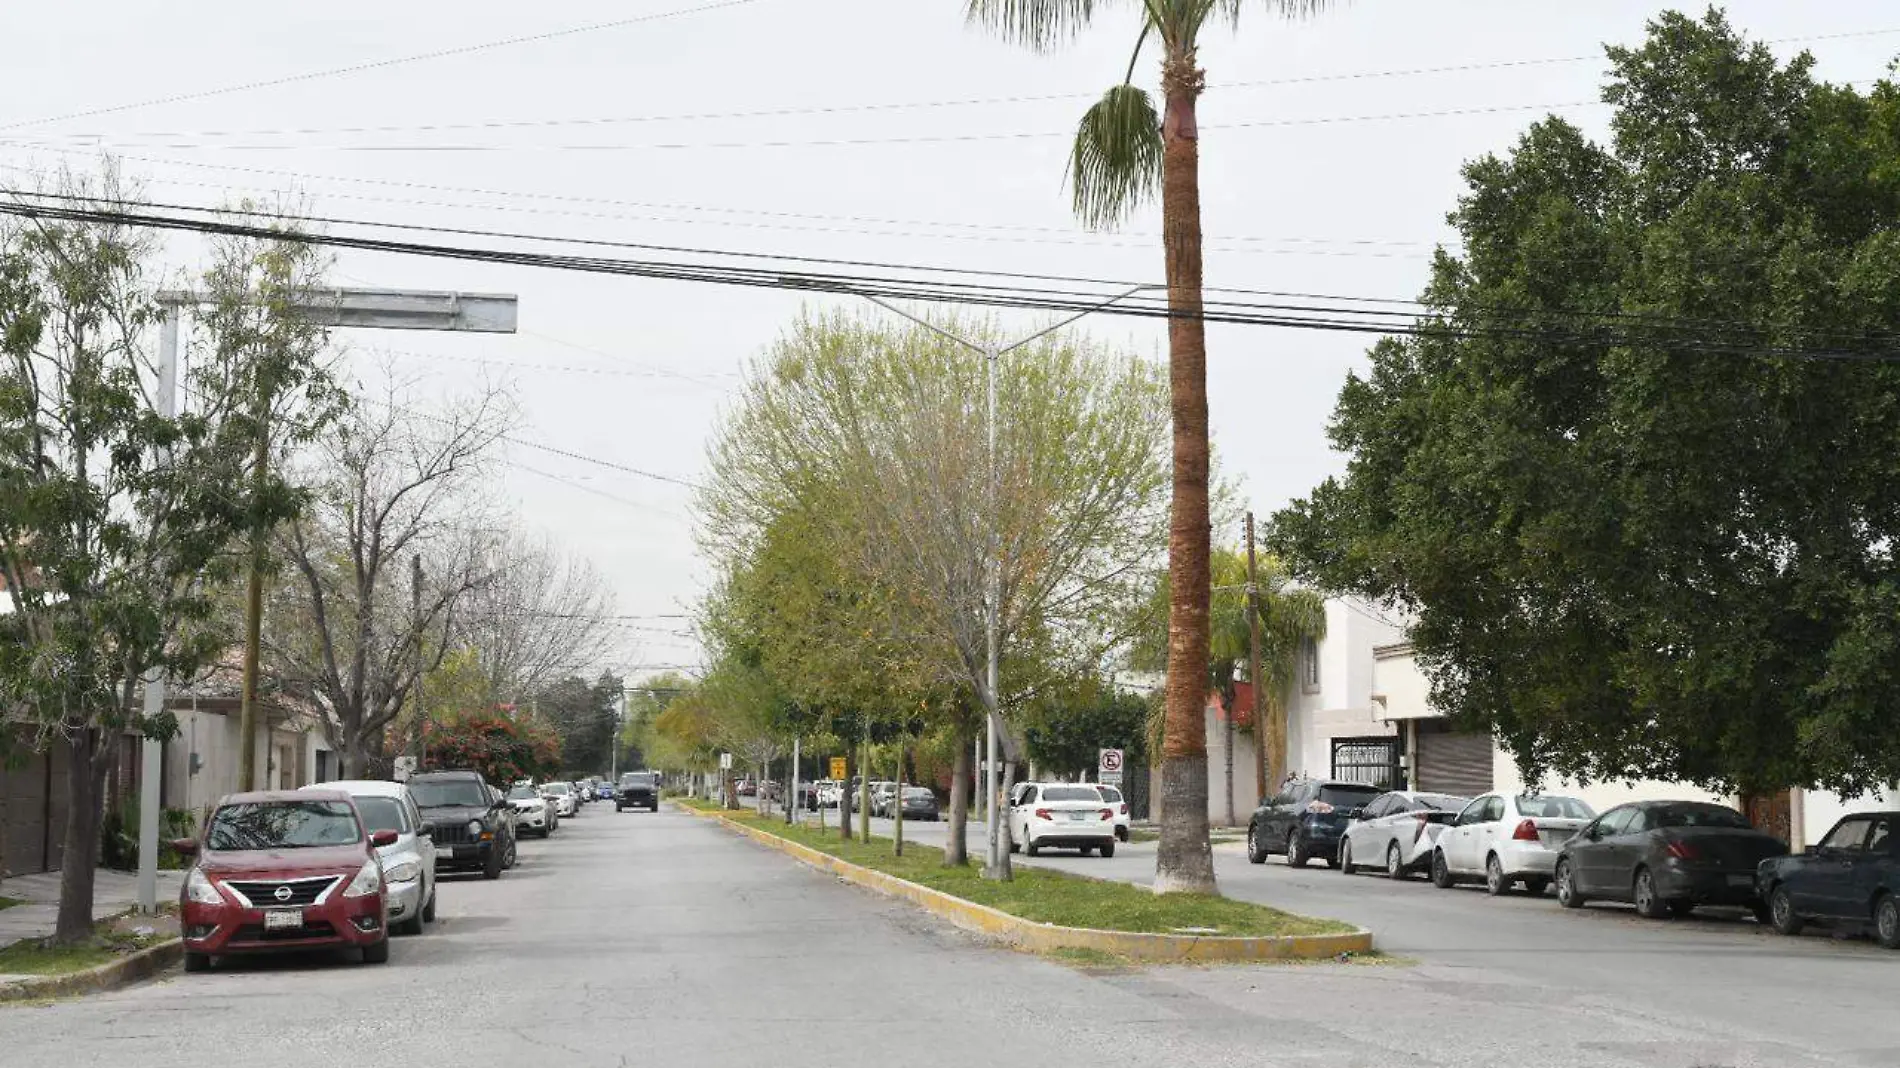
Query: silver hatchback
409, 863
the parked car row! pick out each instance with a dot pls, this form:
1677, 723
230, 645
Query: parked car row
344, 865
1665, 857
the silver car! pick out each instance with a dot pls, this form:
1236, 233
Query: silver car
408, 864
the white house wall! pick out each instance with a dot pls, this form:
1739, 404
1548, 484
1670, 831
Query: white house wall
1603, 795
1341, 706
1821, 809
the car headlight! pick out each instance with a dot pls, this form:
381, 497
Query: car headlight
369, 879
475, 828
198, 888
404, 872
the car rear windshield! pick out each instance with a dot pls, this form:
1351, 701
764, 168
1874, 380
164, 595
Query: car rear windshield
522, 793
1109, 793
283, 825
1698, 816
1443, 802
556, 788
1070, 793
448, 793
382, 814
1348, 796
917, 793
1554, 808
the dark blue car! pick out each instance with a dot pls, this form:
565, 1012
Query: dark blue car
1851, 880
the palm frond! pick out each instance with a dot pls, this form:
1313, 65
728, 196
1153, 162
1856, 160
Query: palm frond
1116, 162
1040, 24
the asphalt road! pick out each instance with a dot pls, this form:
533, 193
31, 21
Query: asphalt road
660, 938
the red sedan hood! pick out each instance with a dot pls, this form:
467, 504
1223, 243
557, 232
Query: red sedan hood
284, 863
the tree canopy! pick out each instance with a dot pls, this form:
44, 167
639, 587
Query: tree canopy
1636, 475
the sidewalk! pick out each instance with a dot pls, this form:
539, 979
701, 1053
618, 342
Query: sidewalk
113, 892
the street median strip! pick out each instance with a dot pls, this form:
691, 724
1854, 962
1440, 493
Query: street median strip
1023, 913
108, 976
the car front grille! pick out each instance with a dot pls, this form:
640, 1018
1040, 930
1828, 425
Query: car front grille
264, 893
449, 834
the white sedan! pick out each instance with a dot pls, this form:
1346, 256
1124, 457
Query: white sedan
1506, 839
1061, 815
561, 796
1116, 801
1396, 831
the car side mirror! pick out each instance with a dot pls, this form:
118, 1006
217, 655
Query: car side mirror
425, 831
185, 847
379, 839
1810, 851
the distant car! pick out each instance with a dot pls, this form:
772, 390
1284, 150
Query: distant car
1396, 832
638, 789
1116, 801
1850, 881
826, 794
561, 794
1061, 815
1305, 820
747, 788
882, 794
603, 791
1507, 839
1666, 858
471, 825
284, 870
919, 803
409, 862
534, 814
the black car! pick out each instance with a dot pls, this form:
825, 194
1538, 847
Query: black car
1305, 820
470, 822
1666, 858
1851, 880
919, 803
637, 789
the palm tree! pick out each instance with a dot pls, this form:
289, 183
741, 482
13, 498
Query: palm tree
1123, 151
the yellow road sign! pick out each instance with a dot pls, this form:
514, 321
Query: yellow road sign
837, 768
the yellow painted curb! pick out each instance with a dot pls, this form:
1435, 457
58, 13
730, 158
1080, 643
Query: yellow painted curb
108, 976
1040, 937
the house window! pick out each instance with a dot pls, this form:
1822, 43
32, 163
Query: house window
1309, 665
323, 766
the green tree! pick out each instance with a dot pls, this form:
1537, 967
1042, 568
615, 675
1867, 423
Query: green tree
583, 714
116, 523
1067, 725
1124, 150
1635, 476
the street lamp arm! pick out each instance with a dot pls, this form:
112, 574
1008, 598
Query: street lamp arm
1085, 313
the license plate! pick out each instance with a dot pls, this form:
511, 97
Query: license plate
283, 920
1741, 880
1078, 816
445, 852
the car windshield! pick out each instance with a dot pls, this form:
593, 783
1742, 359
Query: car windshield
636, 778
557, 788
1443, 802
1348, 796
1070, 793
522, 793
1109, 793
448, 793
382, 814
283, 825
1551, 807
1698, 816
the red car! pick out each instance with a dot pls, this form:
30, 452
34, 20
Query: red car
280, 871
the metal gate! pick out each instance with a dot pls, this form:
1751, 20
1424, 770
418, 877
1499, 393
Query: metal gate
1373, 761
1452, 762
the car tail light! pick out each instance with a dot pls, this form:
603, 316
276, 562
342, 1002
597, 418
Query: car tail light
1526, 832
1108, 814
1683, 851
1044, 814
1319, 807
1124, 808
1422, 822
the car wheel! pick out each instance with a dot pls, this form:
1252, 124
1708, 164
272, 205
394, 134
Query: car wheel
654, 807
491, 869
1394, 862
1763, 914
619, 808
1295, 852
376, 953
509, 860
1887, 921
410, 926
1344, 861
1441, 872
1495, 883
1031, 847
1256, 850
1781, 912
1649, 904
1536, 885
1681, 909
1121, 834
197, 962
1087, 850
428, 911
1108, 850
1567, 895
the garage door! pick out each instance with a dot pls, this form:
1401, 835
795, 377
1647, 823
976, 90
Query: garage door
1451, 762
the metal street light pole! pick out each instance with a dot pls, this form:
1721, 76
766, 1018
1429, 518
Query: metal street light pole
993, 593
371, 309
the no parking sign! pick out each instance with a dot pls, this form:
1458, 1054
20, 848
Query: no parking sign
1109, 768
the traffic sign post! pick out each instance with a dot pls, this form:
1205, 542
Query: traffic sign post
1109, 767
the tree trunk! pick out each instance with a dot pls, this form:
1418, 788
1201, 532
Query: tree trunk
956, 850
84, 781
1185, 859
6, 790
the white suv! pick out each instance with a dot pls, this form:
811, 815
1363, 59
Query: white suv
1069, 815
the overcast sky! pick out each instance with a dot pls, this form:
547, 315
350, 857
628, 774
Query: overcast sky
641, 132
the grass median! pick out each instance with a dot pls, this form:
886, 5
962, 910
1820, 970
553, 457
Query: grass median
36, 957
1052, 897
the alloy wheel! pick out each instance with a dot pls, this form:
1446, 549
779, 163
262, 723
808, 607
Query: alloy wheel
1394, 864
1887, 922
1494, 881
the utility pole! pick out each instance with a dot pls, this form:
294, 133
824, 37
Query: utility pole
1264, 735
997, 865
415, 608
151, 751
254, 601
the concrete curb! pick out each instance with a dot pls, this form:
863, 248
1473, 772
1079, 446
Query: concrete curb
1040, 937
111, 975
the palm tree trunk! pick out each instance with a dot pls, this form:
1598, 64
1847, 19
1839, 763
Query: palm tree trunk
1185, 860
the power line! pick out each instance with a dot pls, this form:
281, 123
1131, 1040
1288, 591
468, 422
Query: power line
380, 64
